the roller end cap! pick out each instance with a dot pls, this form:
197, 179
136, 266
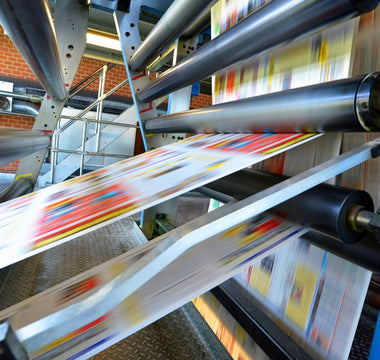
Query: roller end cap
364, 6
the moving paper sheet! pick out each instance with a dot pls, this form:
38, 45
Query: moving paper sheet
317, 295
197, 270
62, 212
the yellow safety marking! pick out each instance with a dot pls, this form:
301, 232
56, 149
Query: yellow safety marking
23, 176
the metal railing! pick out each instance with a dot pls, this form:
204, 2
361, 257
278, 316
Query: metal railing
55, 149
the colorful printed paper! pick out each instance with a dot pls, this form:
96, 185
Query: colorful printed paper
197, 270
64, 211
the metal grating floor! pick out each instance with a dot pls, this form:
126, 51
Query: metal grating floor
173, 337
182, 334
364, 334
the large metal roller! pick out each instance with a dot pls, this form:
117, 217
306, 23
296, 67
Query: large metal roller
275, 23
30, 26
173, 23
326, 208
15, 144
365, 253
342, 105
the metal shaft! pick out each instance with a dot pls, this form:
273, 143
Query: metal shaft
325, 207
27, 97
365, 253
275, 23
29, 24
176, 19
15, 144
343, 105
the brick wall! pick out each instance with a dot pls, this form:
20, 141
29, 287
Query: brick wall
15, 122
201, 101
12, 64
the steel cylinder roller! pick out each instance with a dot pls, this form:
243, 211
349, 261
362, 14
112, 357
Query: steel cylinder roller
275, 23
344, 105
30, 26
173, 23
326, 208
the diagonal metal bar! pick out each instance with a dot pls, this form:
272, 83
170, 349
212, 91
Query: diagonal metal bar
23, 20
88, 80
89, 107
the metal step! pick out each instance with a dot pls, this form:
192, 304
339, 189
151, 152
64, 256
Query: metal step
71, 163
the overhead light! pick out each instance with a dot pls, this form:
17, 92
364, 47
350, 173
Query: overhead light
104, 40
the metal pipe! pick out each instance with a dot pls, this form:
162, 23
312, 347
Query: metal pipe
200, 24
326, 208
92, 153
16, 113
86, 81
54, 155
15, 144
217, 195
176, 19
83, 147
275, 23
100, 121
25, 107
31, 98
365, 253
99, 108
29, 24
342, 105
88, 108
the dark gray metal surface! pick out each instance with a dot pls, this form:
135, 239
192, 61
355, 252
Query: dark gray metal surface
175, 20
15, 144
275, 23
17, 188
38, 273
323, 107
173, 337
364, 334
29, 24
180, 335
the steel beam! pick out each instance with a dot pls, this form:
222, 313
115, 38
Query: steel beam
342, 105
15, 144
175, 20
71, 24
29, 24
275, 23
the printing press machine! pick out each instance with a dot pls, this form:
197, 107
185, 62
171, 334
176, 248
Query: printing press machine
112, 286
